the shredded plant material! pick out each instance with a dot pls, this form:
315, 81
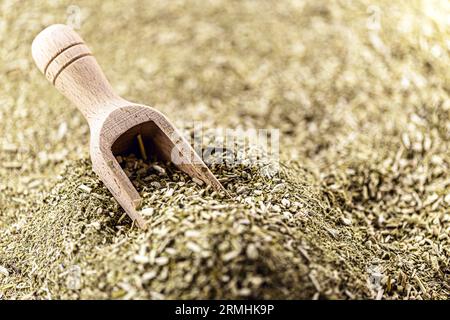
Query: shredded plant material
359, 208
198, 245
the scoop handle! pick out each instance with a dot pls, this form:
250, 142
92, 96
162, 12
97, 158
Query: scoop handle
62, 56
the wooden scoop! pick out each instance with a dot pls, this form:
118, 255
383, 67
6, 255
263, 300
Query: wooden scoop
114, 122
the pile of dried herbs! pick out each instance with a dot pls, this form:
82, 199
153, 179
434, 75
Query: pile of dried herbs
276, 235
359, 209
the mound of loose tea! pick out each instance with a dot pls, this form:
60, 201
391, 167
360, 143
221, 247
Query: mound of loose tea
276, 237
278, 232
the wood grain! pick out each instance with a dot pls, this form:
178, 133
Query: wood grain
60, 53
